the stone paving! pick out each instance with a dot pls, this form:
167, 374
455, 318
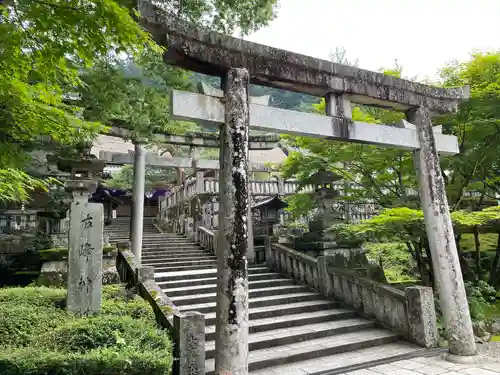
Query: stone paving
431, 366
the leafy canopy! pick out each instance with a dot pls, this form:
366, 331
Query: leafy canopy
44, 46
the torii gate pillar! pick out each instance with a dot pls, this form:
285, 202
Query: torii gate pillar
231, 343
439, 228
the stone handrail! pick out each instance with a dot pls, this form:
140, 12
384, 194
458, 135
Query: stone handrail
410, 313
207, 239
187, 328
295, 264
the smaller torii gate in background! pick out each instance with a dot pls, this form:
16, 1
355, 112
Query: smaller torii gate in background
240, 63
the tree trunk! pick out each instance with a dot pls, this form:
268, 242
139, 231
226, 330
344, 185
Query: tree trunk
429, 263
417, 254
495, 267
477, 246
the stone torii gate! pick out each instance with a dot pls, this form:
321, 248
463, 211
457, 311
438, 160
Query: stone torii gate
240, 63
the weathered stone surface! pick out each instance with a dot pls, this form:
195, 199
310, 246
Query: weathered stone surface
211, 140
85, 254
145, 273
209, 110
441, 238
190, 328
54, 273
422, 316
232, 290
325, 279
208, 52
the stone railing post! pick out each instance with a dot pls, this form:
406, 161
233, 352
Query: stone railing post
189, 333
421, 316
324, 279
85, 250
270, 262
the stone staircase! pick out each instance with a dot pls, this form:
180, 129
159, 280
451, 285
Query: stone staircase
293, 330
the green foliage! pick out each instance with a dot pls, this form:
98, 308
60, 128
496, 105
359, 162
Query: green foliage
481, 297
82, 335
105, 361
61, 253
400, 223
488, 242
224, 16
124, 178
37, 336
476, 125
395, 259
16, 185
38, 297
20, 324
44, 44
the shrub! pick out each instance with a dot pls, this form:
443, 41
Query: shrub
61, 253
33, 296
82, 335
38, 337
481, 297
21, 324
105, 361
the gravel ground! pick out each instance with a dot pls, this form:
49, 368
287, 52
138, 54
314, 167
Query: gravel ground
490, 349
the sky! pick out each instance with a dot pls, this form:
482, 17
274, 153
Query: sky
423, 35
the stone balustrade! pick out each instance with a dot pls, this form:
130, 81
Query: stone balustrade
410, 313
187, 328
207, 239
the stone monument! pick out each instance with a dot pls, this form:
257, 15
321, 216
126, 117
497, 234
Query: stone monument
85, 238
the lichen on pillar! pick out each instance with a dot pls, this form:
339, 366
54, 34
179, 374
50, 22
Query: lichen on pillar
231, 342
439, 228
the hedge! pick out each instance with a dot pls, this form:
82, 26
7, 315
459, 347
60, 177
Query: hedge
61, 253
39, 337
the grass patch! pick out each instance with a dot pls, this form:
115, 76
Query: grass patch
488, 242
39, 337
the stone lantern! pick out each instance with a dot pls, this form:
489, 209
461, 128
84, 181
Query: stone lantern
326, 196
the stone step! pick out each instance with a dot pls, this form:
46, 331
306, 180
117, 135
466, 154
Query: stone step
167, 245
155, 241
213, 280
206, 259
292, 335
200, 274
171, 249
189, 261
302, 351
160, 252
342, 362
274, 301
252, 293
161, 269
286, 316
212, 288
170, 255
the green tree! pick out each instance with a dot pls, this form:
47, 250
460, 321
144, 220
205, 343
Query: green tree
477, 126
44, 44
224, 15
124, 178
